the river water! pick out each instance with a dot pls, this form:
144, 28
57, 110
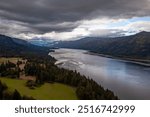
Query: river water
127, 80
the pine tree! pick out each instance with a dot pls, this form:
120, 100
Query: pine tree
16, 95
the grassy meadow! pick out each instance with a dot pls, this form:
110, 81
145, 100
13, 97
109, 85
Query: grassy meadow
55, 91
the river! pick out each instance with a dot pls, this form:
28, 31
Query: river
127, 80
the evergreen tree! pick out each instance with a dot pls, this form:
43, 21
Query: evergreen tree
16, 95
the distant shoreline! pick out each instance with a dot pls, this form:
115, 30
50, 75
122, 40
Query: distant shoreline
129, 60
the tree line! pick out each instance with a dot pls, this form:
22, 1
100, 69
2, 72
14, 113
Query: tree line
9, 69
48, 72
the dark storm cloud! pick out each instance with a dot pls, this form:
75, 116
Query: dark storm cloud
53, 26
36, 13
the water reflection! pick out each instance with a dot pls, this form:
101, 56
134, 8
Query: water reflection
127, 80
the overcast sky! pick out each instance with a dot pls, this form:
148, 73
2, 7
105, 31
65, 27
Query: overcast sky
73, 19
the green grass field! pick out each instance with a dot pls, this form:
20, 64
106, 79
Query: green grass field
14, 60
47, 91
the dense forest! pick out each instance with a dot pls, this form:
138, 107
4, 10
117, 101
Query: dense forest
48, 72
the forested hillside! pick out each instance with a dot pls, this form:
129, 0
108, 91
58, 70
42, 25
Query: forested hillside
17, 47
135, 46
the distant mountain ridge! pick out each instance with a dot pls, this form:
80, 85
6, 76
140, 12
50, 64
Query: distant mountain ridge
134, 46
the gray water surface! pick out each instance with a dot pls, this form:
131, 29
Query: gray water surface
126, 80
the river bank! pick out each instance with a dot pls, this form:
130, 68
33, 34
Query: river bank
128, 60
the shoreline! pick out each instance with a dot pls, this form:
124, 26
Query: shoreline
128, 60
141, 62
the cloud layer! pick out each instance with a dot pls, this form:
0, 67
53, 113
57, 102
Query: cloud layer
66, 18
